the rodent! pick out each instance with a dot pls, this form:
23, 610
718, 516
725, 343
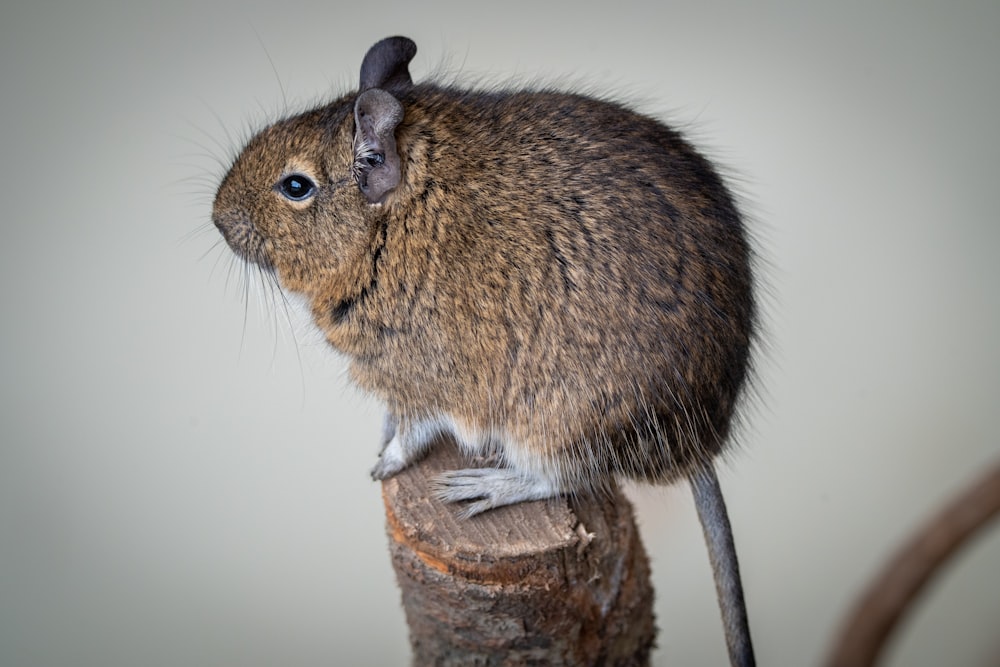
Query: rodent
551, 276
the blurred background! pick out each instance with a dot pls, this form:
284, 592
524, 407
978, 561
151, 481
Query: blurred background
184, 473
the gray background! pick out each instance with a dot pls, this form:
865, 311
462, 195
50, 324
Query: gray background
183, 474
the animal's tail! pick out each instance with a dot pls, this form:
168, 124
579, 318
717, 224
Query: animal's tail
722, 553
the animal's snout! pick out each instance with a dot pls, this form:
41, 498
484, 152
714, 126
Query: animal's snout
242, 236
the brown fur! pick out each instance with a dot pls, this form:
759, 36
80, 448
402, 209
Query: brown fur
553, 268
552, 275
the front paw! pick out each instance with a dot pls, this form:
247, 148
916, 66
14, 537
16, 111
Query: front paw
407, 443
386, 467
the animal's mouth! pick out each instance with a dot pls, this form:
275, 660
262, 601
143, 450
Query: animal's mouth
242, 238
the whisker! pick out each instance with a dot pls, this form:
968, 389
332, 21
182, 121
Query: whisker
231, 148
215, 246
277, 77
221, 154
218, 259
200, 230
246, 304
286, 309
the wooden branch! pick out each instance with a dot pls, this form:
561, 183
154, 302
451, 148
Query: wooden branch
891, 595
551, 582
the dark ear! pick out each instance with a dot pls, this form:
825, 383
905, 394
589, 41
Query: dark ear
385, 64
376, 162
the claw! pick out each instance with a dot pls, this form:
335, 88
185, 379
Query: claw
474, 508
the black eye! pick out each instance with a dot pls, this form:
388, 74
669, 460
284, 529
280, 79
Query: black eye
297, 187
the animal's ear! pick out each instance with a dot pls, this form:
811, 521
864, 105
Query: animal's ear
376, 162
385, 64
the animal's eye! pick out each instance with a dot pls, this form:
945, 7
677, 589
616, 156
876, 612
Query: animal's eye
297, 187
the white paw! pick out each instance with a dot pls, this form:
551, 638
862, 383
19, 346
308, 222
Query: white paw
406, 442
386, 468
394, 457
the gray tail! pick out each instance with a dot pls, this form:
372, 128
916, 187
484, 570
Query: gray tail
722, 553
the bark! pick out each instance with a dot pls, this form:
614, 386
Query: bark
553, 582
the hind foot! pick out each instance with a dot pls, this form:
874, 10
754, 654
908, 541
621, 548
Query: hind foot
488, 488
